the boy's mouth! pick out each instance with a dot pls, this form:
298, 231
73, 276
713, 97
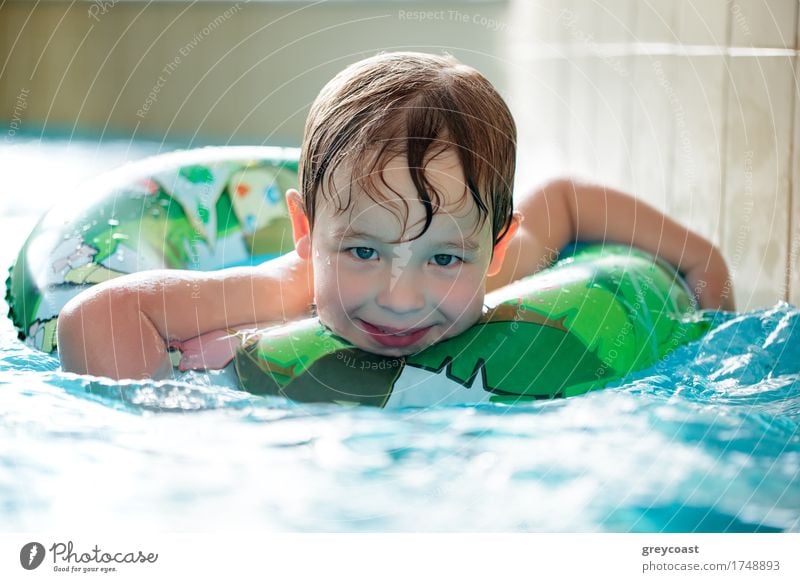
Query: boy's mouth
394, 337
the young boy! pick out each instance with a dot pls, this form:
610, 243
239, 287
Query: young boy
404, 219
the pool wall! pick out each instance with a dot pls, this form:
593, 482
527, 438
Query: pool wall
690, 104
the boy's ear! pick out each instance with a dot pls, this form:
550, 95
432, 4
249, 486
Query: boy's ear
501, 246
301, 231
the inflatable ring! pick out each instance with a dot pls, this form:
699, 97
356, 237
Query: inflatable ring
201, 209
589, 320
597, 315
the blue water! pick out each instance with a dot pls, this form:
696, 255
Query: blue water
708, 440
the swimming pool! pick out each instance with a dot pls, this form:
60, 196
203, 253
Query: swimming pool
708, 440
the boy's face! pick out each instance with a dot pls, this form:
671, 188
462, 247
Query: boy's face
395, 298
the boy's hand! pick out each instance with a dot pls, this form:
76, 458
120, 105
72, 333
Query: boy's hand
711, 283
211, 351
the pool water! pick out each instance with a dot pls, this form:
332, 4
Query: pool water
707, 440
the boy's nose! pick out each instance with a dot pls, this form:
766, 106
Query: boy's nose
402, 293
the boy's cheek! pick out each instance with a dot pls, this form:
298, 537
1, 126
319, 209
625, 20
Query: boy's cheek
326, 270
465, 298
334, 293
469, 283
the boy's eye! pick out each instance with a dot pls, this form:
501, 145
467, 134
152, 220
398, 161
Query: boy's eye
364, 253
443, 260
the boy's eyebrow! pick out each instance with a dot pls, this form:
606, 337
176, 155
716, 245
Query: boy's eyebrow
344, 233
348, 231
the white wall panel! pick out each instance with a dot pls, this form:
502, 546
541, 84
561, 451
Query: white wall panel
758, 170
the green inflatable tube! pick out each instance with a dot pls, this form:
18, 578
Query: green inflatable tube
589, 320
597, 315
202, 209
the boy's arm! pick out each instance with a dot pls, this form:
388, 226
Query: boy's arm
564, 211
120, 329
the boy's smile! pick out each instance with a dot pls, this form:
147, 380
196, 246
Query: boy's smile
384, 290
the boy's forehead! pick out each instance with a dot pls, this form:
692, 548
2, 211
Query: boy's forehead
396, 212
396, 191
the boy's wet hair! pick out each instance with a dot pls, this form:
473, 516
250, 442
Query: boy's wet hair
419, 105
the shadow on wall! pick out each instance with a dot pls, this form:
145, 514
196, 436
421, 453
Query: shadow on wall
238, 71
690, 104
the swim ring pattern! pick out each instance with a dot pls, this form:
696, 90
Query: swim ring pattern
201, 209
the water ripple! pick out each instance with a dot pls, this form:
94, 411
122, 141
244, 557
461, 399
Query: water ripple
707, 440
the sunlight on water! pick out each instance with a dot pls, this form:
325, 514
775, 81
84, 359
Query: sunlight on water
691, 444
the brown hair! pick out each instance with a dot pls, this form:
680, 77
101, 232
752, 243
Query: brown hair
418, 104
